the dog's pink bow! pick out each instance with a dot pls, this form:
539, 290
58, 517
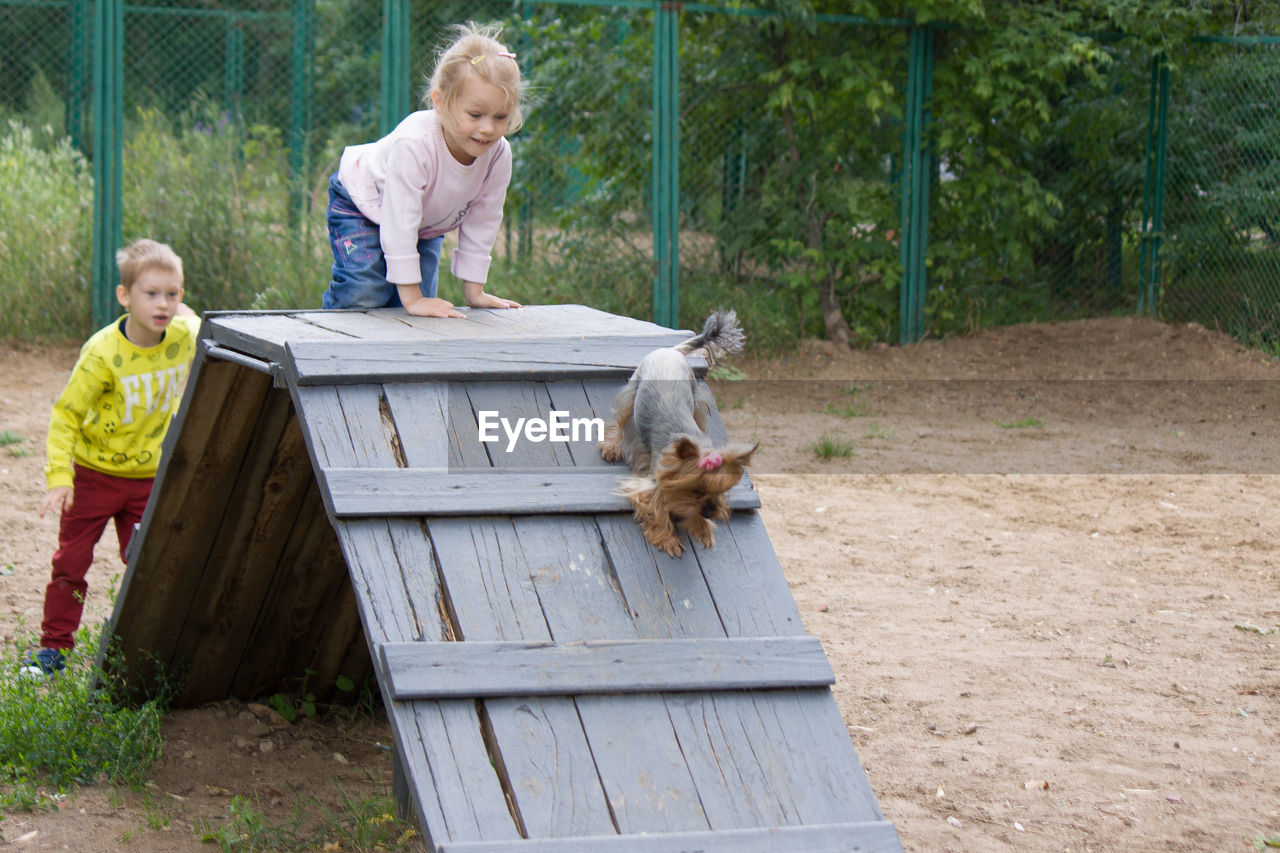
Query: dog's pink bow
711, 461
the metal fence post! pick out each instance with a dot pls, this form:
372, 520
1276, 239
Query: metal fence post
916, 173
666, 165
1153, 189
233, 64
78, 60
395, 63
108, 140
301, 92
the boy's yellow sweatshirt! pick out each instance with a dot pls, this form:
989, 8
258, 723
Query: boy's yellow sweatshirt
116, 408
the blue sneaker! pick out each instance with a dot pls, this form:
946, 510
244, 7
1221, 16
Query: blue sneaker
44, 663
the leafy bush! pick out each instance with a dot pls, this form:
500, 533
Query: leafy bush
46, 213
218, 192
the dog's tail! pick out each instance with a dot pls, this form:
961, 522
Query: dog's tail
721, 334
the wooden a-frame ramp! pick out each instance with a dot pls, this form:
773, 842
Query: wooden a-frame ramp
325, 506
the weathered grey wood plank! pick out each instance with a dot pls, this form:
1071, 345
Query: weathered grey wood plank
819, 777
377, 325
341, 363
356, 492
446, 328
517, 403
265, 334
421, 415
554, 320
637, 752
746, 580
666, 597
543, 752
482, 669
820, 767
466, 450
869, 837
734, 772
601, 392
570, 395
455, 789
750, 778
346, 427
734, 765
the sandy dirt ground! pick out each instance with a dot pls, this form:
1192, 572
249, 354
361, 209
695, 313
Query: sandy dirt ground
1040, 559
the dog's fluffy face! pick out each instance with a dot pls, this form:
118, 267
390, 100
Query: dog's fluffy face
692, 481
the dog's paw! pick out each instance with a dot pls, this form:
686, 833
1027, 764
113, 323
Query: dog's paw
611, 447
670, 544
702, 530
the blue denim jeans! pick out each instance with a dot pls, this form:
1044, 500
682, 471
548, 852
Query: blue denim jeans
359, 273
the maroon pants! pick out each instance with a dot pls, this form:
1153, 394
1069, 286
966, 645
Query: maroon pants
97, 499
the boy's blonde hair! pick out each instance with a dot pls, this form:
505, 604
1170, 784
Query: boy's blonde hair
476, 50
142, 255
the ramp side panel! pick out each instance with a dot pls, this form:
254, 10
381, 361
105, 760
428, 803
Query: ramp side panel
649, 763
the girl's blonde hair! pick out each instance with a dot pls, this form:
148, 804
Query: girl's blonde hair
142, 255
477, 50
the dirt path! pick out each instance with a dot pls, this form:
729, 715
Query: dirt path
1044, 575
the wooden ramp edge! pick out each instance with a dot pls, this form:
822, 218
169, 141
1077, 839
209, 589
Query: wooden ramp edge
327, 505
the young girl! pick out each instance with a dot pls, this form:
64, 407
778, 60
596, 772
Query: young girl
447, 168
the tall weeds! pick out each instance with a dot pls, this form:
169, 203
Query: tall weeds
46, 210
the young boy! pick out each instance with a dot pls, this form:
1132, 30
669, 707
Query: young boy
106, 429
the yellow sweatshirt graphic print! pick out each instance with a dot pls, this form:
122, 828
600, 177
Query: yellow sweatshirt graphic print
116, 408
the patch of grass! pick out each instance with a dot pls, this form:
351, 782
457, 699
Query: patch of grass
8, 437
844, 410
726, 373
857, 409
361, 825
70, 730
874, 430
1263, 842
832, 447
1024, 423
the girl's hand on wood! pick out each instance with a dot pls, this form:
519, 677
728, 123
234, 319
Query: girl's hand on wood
433, 306
485, 300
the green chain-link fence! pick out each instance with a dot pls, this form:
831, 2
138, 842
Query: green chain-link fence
1220, 252
843, 176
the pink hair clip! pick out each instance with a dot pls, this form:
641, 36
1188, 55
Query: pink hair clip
711, 461
506, 54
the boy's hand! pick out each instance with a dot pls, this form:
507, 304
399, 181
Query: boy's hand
433, 306
477, 298
58, 497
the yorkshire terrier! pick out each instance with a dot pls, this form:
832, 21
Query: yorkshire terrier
678, 477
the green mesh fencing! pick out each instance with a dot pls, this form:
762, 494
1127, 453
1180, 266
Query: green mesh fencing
1058, 194
1220, 253
843, 177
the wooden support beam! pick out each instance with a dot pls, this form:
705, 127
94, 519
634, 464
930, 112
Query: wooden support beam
345, 362
354, 492
468, 669
868, 837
